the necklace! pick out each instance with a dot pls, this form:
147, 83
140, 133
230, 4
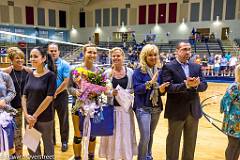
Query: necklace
119, 74
19, 82
41, 73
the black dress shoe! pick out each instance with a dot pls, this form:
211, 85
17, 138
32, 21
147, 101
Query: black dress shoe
90, 156
77, 158
64, 147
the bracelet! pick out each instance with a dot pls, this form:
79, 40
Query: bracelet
148, 85
110, 92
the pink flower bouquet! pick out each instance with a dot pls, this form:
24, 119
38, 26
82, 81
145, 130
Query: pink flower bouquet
90, 84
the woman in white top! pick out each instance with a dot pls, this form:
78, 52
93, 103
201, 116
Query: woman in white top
122, 144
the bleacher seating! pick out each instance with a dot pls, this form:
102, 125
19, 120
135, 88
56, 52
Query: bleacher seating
166, 47
201, 48
229, 46
73, 56
113, 44
214, 47
66, 49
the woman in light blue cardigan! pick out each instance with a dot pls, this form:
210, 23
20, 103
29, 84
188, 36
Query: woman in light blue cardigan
122, 144
7, 112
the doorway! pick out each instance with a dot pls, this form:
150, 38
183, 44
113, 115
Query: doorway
204, 32
225, 33
96, 38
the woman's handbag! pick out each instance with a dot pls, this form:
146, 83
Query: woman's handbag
103, 122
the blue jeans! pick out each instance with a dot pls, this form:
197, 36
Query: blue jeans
147, 122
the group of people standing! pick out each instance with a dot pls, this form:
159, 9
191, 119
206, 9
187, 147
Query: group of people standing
180, 79
45, 90
37, 94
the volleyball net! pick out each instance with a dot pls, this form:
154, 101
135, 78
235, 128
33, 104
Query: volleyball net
72, 52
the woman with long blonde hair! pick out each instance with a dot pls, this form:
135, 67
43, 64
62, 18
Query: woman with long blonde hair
148, 88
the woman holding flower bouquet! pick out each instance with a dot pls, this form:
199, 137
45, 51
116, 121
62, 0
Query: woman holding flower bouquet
78, 75
122, 144
148, 88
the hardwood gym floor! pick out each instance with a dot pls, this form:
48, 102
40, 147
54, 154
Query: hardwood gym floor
211, 143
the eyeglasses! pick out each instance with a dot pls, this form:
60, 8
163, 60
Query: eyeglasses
185, 49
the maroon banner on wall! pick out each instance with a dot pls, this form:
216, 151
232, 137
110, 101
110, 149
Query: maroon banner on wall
162, 13
152, 14
29, 15
142, 15
172, 12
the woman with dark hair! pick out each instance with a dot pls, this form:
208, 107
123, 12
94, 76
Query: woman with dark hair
18, 73
37, 97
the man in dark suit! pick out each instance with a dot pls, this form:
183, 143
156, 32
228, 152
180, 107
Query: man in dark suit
183, 103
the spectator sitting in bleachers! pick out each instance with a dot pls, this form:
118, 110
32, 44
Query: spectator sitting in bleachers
130, 56
81, 55
172, 56
167, 60
193, 58
163, 58
197, 59
104, 57
212, 36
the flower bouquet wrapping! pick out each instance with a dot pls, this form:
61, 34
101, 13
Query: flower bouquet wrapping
7, 125
6, 134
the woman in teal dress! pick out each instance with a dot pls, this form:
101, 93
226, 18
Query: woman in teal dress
230, 106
